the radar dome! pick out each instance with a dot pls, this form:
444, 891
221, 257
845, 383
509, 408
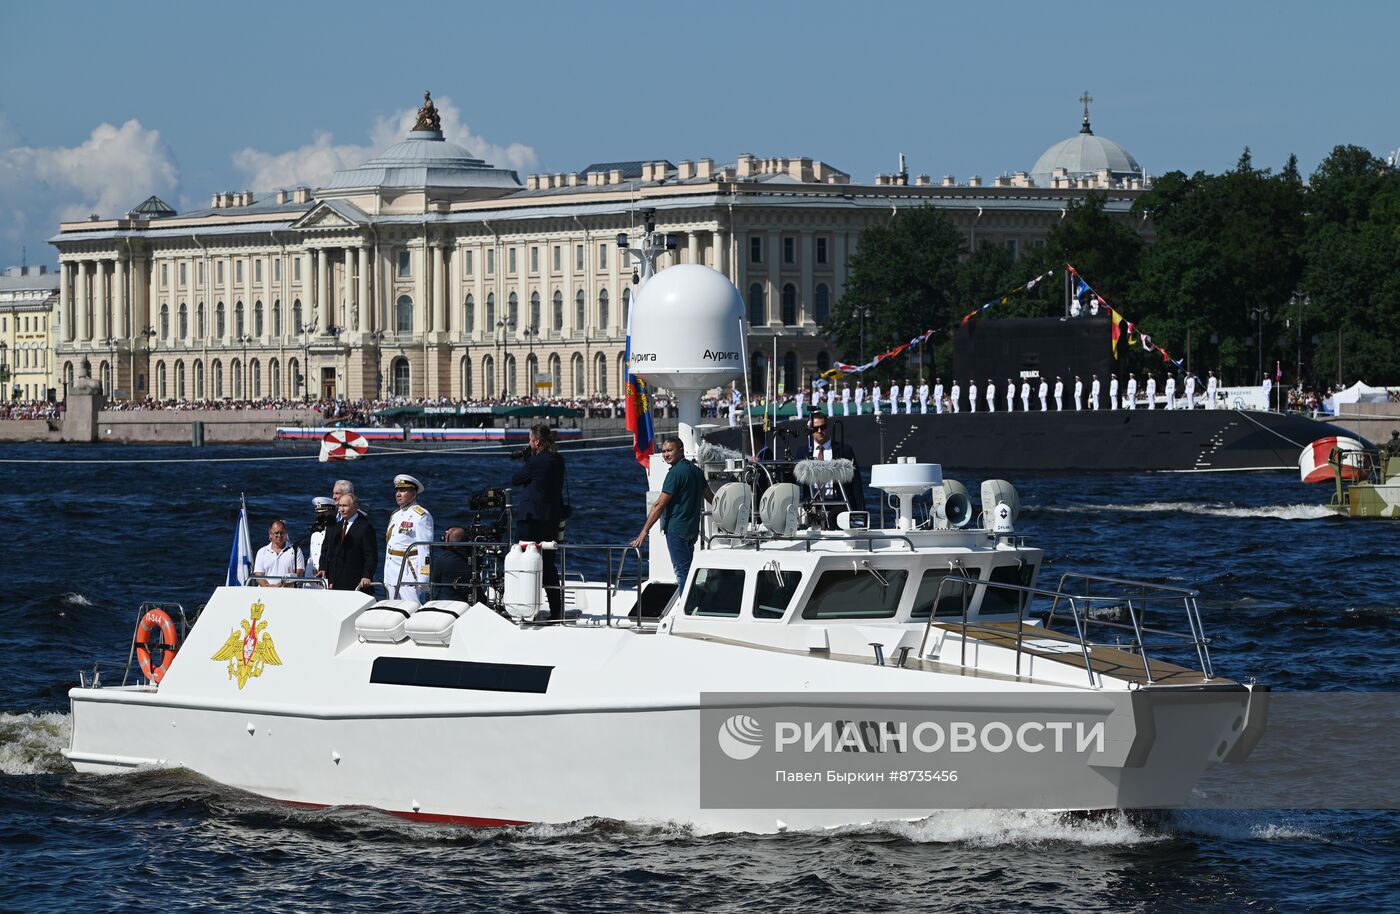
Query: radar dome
687, 330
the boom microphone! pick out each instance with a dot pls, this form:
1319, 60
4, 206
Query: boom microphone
824, 472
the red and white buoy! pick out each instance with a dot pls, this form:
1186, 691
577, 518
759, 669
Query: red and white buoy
342, 444
1313, 462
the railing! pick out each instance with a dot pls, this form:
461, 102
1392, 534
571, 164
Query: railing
757, 540
1081, 606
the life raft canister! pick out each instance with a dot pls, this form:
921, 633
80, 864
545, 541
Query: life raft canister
155, 656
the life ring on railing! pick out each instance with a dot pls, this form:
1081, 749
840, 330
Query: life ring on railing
155, 657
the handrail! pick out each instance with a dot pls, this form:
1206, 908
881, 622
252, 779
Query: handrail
758, 540
140, 613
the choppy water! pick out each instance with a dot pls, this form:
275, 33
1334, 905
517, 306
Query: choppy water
1292, 596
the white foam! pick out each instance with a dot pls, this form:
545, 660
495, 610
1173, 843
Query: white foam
999, 827
1241, 824
30, 743
1279, 512
75, 599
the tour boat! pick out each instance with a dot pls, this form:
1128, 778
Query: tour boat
809, 641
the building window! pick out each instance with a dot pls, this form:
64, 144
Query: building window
508, 382
789, 250
161, 391
534, 259
296, 269
490, 312
295, 381
198, 380
257, 320
532, 371
184, 322
219, 272
467, 266
600, 363
296, 316
790, 372
274, 372
602, 256
218, 380
490, 261
821, 250
164, 323
238, 272
164, 275
405, 264
236, 376
534, 310
558, 258
399, 372
821, 305
257, 275
255, 378
277, 318
1011, 247
403, 315
558, 311
510, 261
758, 373
180, 381
218, 320
184, 274
789, 304
237, 319
603, 315
758, 312
513, 310
756, 249
578, 257
823, 361
580, 312
556, 375
469, 315
276, 274
580, 380
201, 326
467, 385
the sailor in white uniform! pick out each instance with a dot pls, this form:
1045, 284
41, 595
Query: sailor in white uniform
1132, 391
410, 525
1078, 392
923, 398
325, 517
908, 397
816, 396
938, 396
1025, 395
972, 396
1010, 395
1059, 395
1113, 391
830, 400
1094, 389
1171, 391
1211, 385
1190, 391
846, 399
955, 395
1151, 392
860, 399
799, 401
875, 394
1043, 391
991, 396
1268, 386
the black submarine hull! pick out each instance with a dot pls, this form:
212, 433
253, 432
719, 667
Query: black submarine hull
1140, 440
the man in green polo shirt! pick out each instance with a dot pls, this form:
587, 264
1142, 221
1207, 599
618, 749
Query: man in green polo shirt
678, 508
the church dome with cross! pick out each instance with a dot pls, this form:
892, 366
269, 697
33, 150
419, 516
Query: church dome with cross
1085, 156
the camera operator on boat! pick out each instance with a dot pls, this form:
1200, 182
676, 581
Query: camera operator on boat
540, 506
821, 448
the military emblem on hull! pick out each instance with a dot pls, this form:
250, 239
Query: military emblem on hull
248, 651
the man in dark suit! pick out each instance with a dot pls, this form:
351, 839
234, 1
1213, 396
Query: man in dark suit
821, 447
350, 551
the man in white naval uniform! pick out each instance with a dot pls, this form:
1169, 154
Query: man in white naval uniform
410, 525
1151, 391
799, 402
830, 400
325, 517
1043, 392
846, 399
923, 398
955, 397
816, 397
875, 392
1078, 392
1025, 395
1010, 395
1268, 386
860, 399
908, 397
991, 396
938, 396
972, 396
1211, 384
1171, 391
1059, 394
1131, 399
1094, 390
1190, 391
1113, 391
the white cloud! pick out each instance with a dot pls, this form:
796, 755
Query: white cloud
110, 172
316, 163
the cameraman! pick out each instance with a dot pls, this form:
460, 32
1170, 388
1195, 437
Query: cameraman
540, 506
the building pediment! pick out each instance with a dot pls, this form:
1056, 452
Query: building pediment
332, 214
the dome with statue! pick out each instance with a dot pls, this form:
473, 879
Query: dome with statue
1085, 155
425, 159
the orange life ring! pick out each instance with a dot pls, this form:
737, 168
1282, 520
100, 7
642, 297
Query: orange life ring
153, 622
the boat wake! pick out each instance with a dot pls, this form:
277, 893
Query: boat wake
30, 743
1279, 512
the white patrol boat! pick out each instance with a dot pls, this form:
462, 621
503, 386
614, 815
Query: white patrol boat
792, 652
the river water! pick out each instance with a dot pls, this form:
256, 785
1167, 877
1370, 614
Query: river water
1291, 596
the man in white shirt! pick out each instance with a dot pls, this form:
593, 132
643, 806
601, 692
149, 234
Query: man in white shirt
923, 398
972, 396
1094, 389
955, 395
846, 399
991, 396
908, 397
1190, 391
830, 400
1078, 392
860, 399
1171, 391
1059, 395
1043, 392
875, 393
1268, 386
1211, 385
1151, 391
1010, 395
278, 563
938, 396
1131, 399
1025, 395
1113, 391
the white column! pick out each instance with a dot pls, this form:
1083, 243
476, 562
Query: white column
439, 281
65, 299
694, 248
838, 264
99, 302
367, 321
323, 298
119, 303
421, 315
720, 242
455, 321
80, 309
772, 253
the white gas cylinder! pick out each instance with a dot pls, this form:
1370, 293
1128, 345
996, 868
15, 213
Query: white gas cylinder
524, 585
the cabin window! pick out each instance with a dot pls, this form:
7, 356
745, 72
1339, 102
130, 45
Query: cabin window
997, 600
951, 603
715, 592
773, 592
856, 594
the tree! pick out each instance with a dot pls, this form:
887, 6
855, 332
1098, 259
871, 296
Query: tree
905, 274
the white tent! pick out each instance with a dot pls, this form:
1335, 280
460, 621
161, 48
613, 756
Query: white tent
1357, 393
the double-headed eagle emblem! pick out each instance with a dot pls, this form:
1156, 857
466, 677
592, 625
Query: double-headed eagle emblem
250, 650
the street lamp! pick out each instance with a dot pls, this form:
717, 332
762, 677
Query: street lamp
111, 373
4, 367
376, 338
149, 333
865, 312
503, 328
306, 330
244, 339
530, 333
1261, 313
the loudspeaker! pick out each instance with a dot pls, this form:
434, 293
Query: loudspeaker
952, 505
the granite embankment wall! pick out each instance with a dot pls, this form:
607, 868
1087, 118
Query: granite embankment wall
1373, 421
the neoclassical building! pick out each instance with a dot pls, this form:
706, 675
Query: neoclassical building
428, 272
28, 297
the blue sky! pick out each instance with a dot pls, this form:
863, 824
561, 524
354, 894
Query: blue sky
103, 104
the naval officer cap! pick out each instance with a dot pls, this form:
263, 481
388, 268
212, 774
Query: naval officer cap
405, 481
321, 501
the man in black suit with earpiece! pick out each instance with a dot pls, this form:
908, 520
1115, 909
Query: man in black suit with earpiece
820, 447
350, 552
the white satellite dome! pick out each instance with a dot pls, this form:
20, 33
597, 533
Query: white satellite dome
687, 329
